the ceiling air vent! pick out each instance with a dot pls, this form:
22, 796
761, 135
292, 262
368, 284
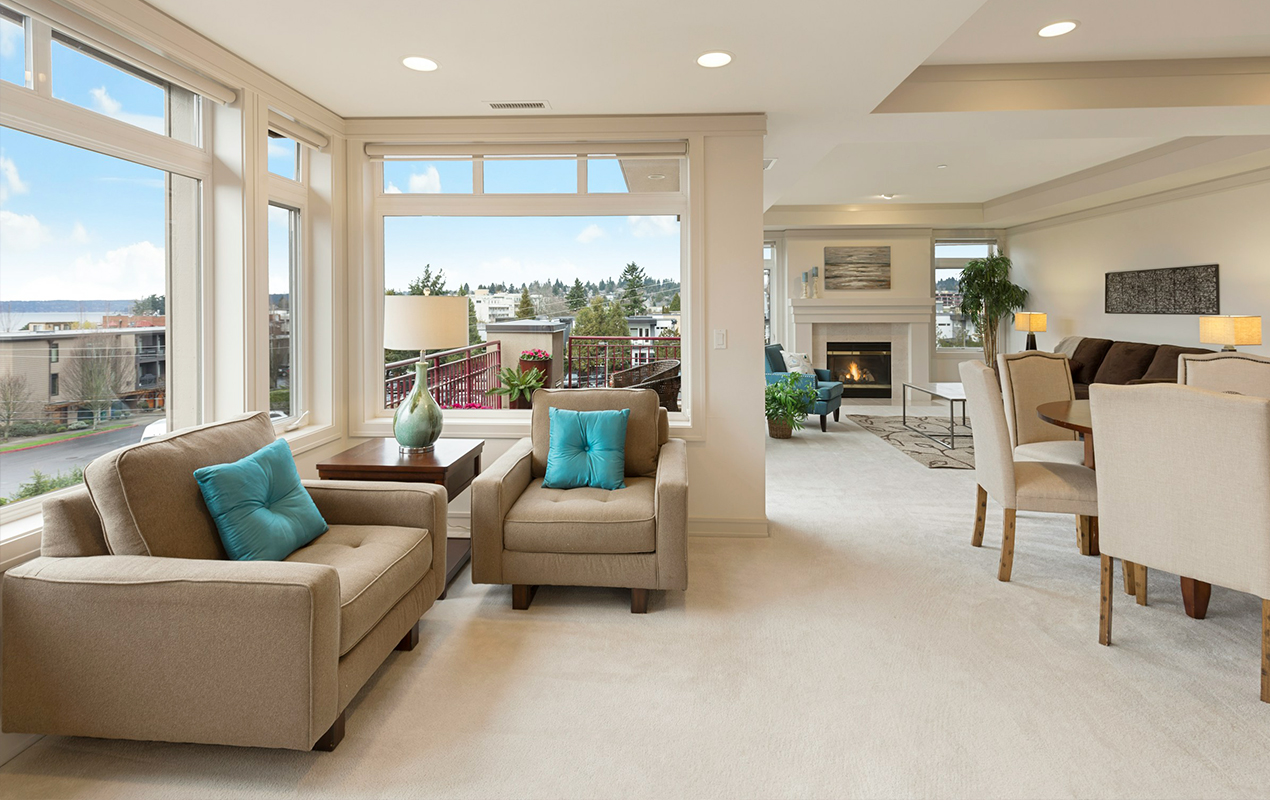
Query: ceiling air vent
519, 105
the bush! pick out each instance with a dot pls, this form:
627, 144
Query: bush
77, 426
280, 400
40, 483
32, 428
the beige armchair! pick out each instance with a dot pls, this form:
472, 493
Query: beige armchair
636, 538
1236, 373
133, 624
1184, 486
1029, 379
1055, 487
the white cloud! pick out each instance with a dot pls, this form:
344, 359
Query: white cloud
79, 233
391, 188
10, 35
103, 103
21, 232
653, 226
427, 182
590, 233
10, 181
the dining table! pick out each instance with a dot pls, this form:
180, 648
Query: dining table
1075, 415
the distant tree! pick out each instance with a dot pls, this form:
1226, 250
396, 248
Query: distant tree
948, 285
601, 318
633, 296
577, 295
95, 373
153, 305
525, 308
465, 289
426, 283
674, 304
473, 333
15, 399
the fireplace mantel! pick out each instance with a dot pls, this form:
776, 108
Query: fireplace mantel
851, 308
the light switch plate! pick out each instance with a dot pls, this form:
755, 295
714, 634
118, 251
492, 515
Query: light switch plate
720, 338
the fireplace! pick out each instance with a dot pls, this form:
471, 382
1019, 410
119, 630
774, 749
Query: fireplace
863, 368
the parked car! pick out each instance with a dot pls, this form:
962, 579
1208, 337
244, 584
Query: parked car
160, 426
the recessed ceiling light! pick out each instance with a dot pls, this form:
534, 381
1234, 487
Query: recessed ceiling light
657, 176
942, 166
715, 58
1058, 28
420, 64
887, 196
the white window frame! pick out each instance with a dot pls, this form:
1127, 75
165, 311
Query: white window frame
292, 195
33, 110
977, 237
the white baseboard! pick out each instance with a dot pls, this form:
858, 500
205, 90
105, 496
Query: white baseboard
460, 522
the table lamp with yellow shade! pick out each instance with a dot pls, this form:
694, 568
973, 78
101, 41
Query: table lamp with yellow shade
422, 322
1230, 331
1031, 321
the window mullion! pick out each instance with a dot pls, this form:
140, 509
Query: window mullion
40, 57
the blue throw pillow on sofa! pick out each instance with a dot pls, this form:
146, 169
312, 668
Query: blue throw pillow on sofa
586, 448
262, 511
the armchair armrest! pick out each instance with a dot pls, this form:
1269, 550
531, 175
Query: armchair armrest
671, 498
826, 376
493, 493
803, 378
406, 505
172, 649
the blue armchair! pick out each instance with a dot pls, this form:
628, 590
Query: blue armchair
828, 391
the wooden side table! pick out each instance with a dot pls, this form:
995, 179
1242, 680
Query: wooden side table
454, 463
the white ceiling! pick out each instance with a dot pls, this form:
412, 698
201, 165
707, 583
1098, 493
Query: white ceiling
1004, 31
816, 68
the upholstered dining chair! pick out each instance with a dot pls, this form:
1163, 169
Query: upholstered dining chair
1029, 379
1184, 486
1048, 486
1232, 373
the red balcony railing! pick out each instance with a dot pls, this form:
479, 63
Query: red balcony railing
459, 378
592, 359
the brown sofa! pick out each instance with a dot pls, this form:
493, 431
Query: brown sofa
1120, 363
133, 623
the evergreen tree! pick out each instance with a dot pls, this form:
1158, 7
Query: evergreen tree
577, 295
557, 288
601, 318
427, 283
149, 306
633, 297
473, 333
525, 308
674, 304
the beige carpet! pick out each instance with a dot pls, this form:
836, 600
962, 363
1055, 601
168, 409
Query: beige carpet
934, 455
864, 650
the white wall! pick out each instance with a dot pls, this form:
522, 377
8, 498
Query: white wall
1062, 264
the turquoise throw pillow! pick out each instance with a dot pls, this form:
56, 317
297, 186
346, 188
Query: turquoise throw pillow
262, 511
586, 448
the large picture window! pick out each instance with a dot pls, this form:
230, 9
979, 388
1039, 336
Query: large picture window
952, 330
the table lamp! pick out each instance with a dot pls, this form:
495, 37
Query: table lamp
422, 322
1031, 321
1230, 332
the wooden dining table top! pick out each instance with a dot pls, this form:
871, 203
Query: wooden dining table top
1071, 414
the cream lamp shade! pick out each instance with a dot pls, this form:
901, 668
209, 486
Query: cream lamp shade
1030, 322
425, 322
1230, 331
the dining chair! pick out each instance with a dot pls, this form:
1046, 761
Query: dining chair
1236, 373
1029, 379
1184, 486
1018, 485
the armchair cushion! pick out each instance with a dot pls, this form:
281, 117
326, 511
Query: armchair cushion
773, 354
377, 565
641, 427
586, 448
584, 520
826, 390
262, 512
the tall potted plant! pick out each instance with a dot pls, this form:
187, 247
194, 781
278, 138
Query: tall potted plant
518, 386
987, 296
785, 405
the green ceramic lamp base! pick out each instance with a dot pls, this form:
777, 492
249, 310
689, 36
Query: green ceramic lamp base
417, 423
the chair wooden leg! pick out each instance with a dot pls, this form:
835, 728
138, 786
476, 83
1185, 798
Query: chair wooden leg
333, 736
1094, 548
1130, 583
411, 639
639, 601
522, 596
1265, 651
981, 516
835, 414
1082, 535
824, 423
1105, 595
1007, 547
1195, 596
1140, 581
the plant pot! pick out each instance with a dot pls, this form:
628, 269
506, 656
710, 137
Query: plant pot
521, 403
779, 429
542, 366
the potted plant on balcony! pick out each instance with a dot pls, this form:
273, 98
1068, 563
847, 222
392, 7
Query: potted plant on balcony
987, 295
518, 386
785, 405
536, 358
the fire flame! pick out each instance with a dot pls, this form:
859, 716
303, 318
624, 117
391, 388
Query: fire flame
854, 372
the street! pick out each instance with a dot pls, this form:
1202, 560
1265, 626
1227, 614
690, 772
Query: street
16, 467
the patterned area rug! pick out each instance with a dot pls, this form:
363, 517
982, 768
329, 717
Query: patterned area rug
918, 447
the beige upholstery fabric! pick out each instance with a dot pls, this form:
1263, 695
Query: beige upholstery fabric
359, 664
377, 566
642, 434
1023, 485
1029, 379
1066, 452
146, 495
1240, 373
494, 492
71, 527
171, 649
663, 426
672, 516
620, 570
1184, 482
583, 520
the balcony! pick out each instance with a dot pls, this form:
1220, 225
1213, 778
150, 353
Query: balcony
459, 378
